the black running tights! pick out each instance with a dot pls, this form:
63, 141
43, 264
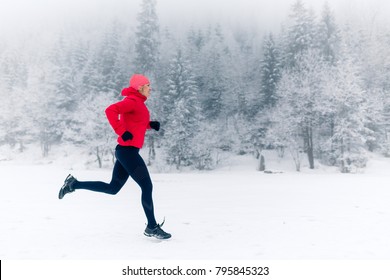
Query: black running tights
128, 163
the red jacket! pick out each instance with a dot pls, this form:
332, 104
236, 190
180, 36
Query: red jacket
130, 114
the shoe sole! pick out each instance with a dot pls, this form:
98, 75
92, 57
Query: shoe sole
61, 194
159, 238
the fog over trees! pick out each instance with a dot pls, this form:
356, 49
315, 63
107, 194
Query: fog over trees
317, 89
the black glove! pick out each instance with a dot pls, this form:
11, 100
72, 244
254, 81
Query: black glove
155, 125
127, 136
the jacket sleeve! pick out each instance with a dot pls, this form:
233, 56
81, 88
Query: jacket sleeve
114, 111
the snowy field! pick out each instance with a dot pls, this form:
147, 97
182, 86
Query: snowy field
231, 213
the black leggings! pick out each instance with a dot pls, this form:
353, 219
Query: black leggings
128, 163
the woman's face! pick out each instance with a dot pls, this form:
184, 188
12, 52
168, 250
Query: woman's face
145, 90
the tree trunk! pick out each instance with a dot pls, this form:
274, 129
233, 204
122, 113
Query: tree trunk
112, 156
99, 157
310, 148
308, 144
343, 167
21, 147
262, 163
45, 148
152, 151
297, 159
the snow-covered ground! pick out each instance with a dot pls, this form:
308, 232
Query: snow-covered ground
234, 212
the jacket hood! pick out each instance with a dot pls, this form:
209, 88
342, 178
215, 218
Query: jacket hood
129, 91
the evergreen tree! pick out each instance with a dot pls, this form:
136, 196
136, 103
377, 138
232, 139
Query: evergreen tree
196, 39
13, 69
284, 132
243, 77
385, 147
13, 93
328, 42
300, 35
48, 127
183, 115
91, 75
374, 71
64, 97
350, 132
301, 94
381, 72
147, 43
328, 36
213, 79
93, 132
147, 39
111, 76
270, 72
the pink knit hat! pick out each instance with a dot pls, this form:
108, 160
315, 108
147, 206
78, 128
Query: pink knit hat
138, 80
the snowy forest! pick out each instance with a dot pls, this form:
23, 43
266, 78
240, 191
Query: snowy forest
317, 90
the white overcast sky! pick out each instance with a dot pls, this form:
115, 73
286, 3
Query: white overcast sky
25, 14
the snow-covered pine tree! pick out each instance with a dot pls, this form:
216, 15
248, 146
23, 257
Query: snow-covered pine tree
303, 92
241, 95
13, 93
374, 71
94, 132
196, 39
147, 52
213, 79
112, 77
299, 35
284, 132
79, 55
57, 95
369, 58
328, 35
350, 105
385, 147
270, 72
101, 69
327, 41
3, 105
13, 69
168, 48
215, 132
147, 39
91, 74
305, 66
49, 130
184, 114
383, 85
